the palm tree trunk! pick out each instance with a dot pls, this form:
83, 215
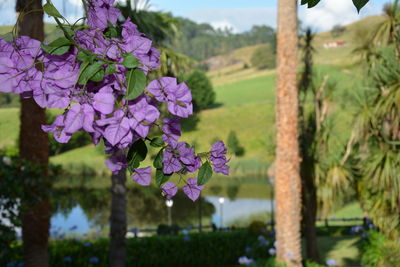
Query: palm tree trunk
118, 220
33, 146
309, 218
287, 172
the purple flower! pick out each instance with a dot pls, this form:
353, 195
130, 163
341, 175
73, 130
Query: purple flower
172, 131
245, 261
57, 128
169, 189
180, 100
192, 190
116, 163
272, 251
143, 115
171, 162
79, 117
218, 158
159, 87
129, 29
331, 262
142, 176
103, 101
94, 260
100, 12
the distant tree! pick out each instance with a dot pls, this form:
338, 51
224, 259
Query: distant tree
234, 145
337, 30
202, 90
263, 58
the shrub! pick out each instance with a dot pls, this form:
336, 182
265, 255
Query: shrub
199, 249
202, 90
234, 145
380, 251
263, 58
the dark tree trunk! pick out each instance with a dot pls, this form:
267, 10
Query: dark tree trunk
33, 146
118, 220
287, 170
309, 218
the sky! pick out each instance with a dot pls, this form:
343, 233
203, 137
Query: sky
239, 15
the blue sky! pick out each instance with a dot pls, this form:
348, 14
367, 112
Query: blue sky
239, 15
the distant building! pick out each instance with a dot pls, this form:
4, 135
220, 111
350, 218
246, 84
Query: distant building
334, 44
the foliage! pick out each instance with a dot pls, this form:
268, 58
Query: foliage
378, 251
338, 30
234, 145
203, 249
201, 41
375, 142
15, 174
359, 4
202, 90
263, 58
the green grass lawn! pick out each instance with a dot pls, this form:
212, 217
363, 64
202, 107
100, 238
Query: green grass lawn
9, 126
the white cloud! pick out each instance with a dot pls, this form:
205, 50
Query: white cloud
241, 19
329, 13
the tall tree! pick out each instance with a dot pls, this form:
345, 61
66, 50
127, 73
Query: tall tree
287, 172
33, 146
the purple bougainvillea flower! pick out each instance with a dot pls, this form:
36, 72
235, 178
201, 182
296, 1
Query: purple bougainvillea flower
159, 87
116, 131
172, 131
100, 12
116, 163
142, 176
192, 190
137, 45
171, 162
129, 29
79, 117
169, 189
218, 158
103, 101
143, 115
180, 101
57, 128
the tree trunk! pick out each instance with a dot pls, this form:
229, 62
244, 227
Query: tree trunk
287, 173
33, 146
309, 218
118, 220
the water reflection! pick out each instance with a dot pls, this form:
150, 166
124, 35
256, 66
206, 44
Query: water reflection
90, 209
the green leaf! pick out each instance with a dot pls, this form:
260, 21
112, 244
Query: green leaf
360, 4
135, 83
157, 142
110, 69
136, 154
205, 173
98, 76
157, 163
58, 47
161, 177
89, 71
310, 3
130, 61
51, 10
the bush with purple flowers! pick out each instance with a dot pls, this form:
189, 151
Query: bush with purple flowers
97, 73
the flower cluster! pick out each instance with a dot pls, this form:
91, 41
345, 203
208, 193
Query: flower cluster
97, 74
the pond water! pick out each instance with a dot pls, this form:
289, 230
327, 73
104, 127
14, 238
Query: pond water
82, 210
77, 221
